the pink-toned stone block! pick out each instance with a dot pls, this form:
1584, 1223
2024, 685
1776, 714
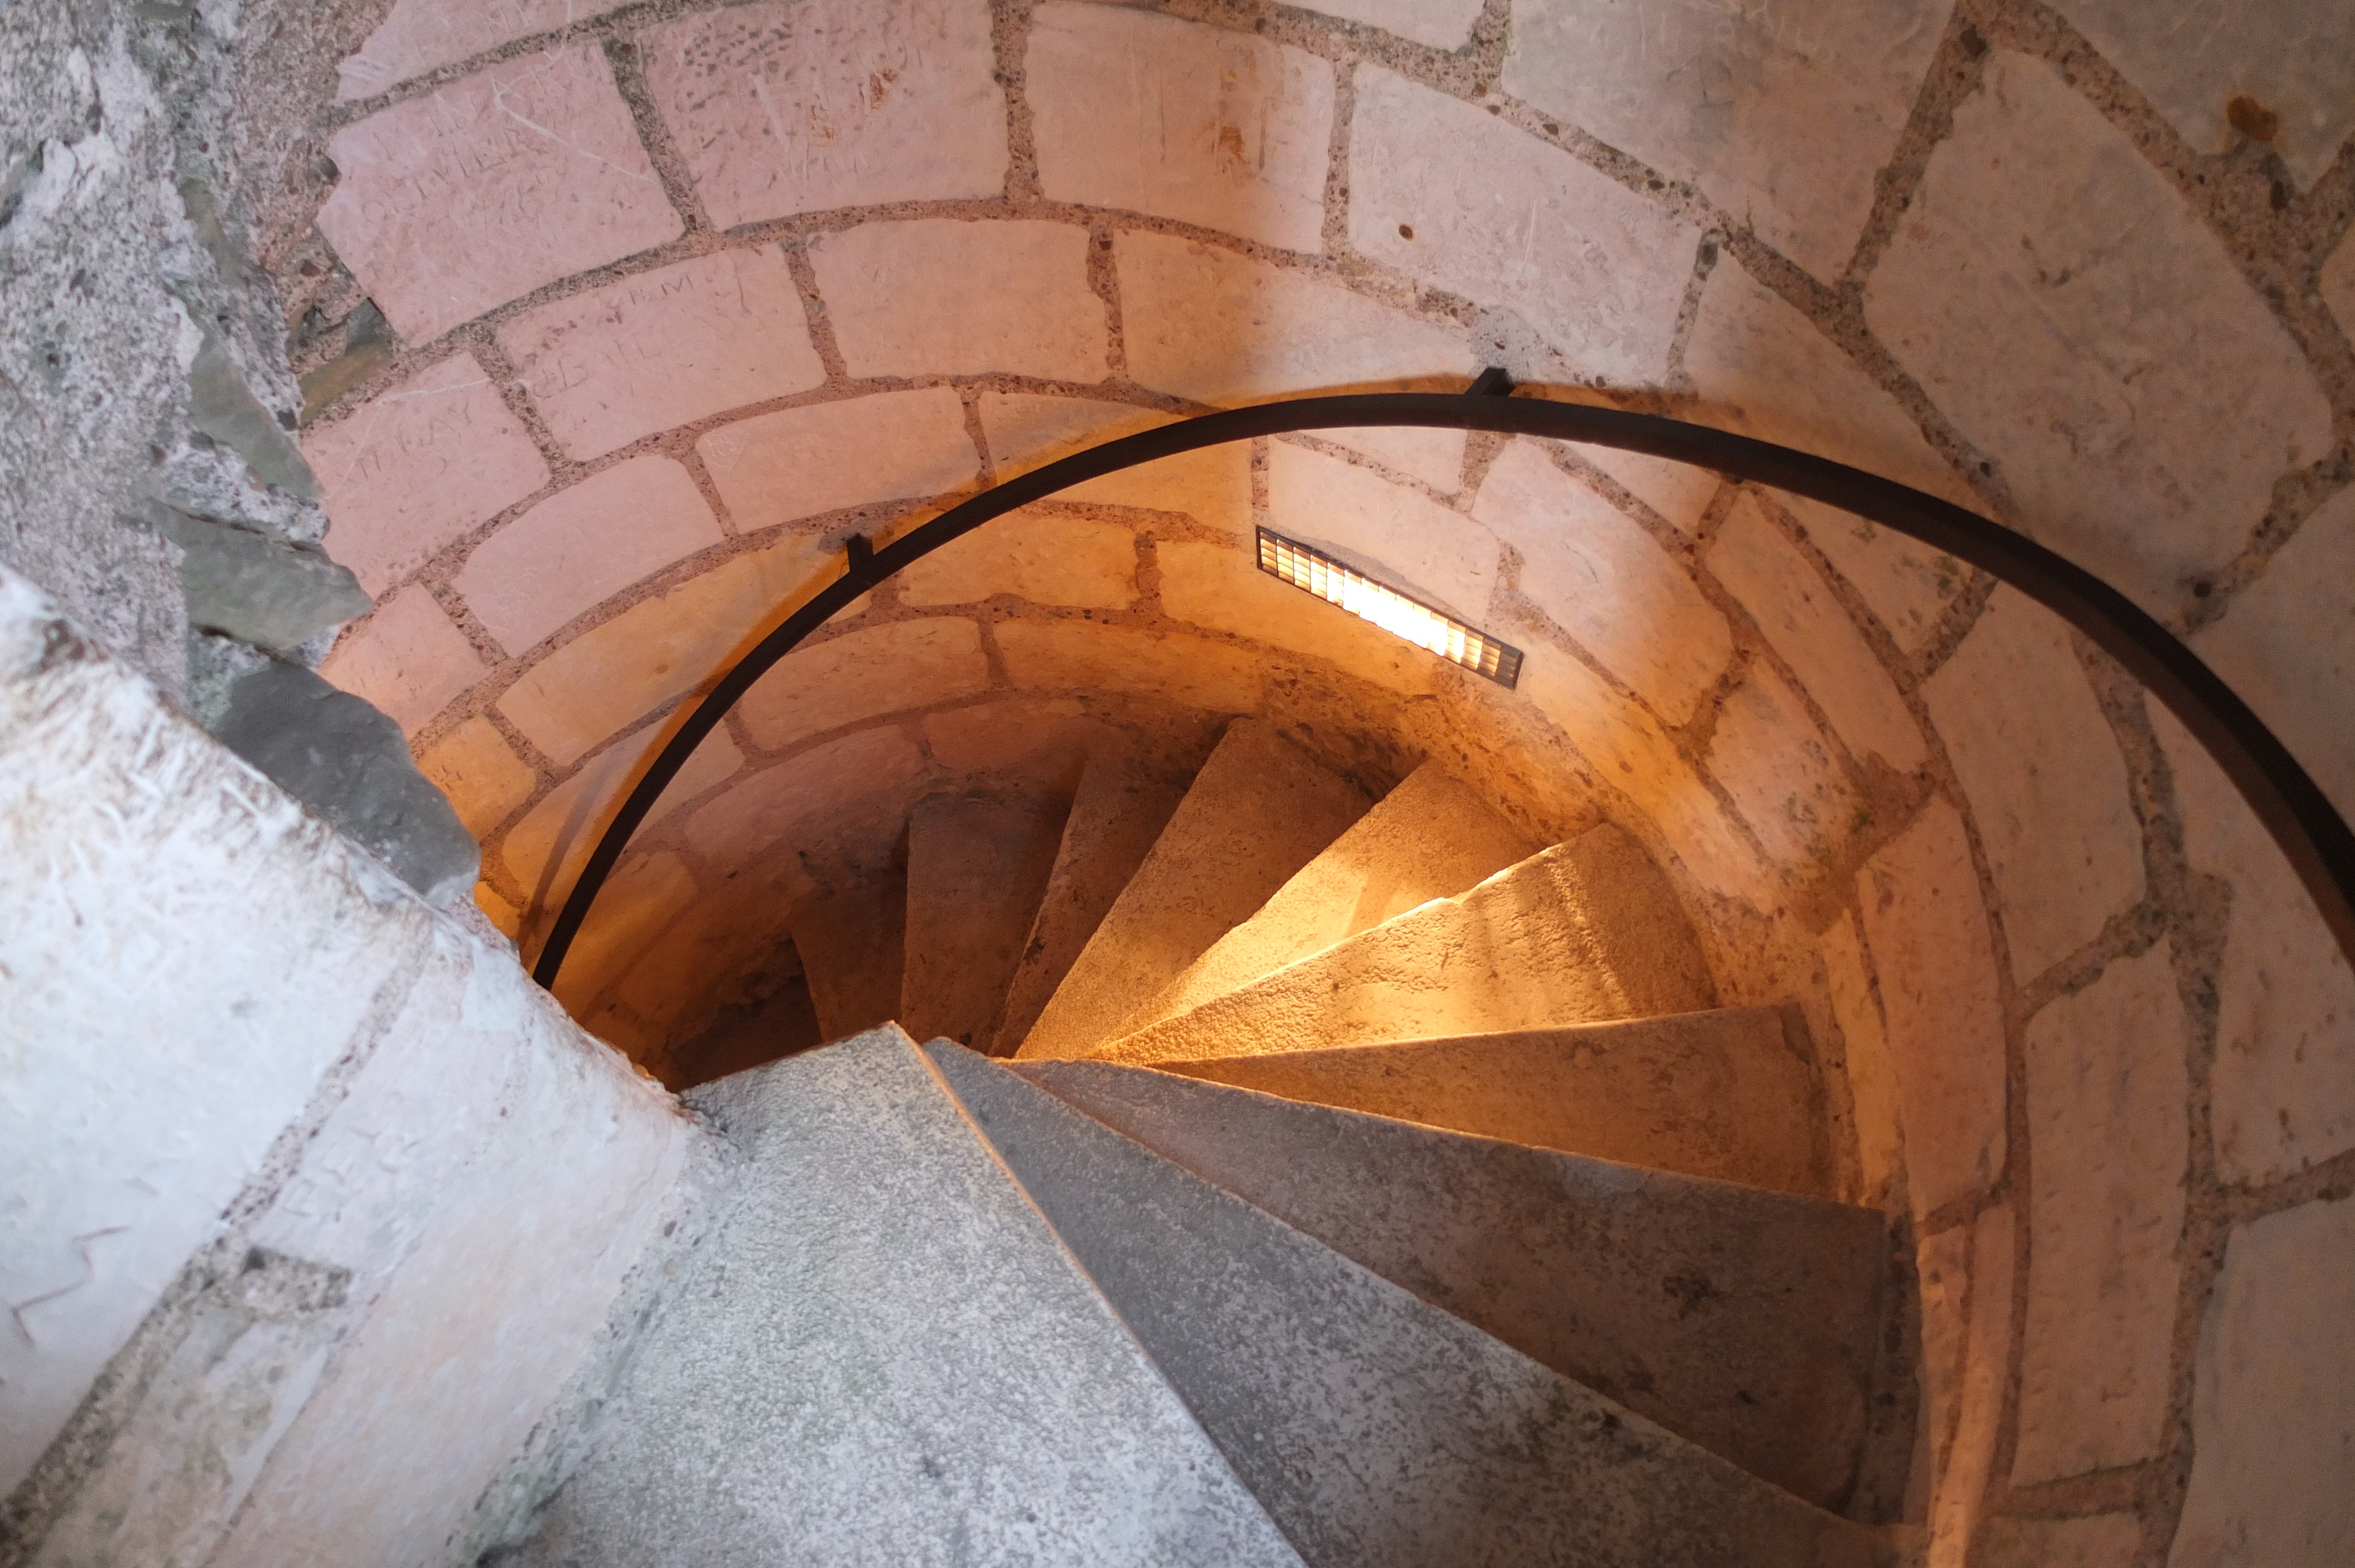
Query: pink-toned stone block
958, 297
800, 462
1906, 586
862, 674
1440, 24
1781, 773
485, 780
1678, 491
1026, 431
582, 546
1190, 671
783, 803
548, 845
781, 109
420, 36
407, 658
1045, 557
420, 465
1396, 535
663, 348
527, 171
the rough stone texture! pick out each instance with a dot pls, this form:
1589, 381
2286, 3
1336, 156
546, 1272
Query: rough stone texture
2107, 1089
420, 36
544, 850
664, 347
583, 545
2272, 1428
1434, 457
977, 870
897, 102
1906, 586
862, 674
952, 297
785, 801
1458, 198
1188, 671
1583, 933
479, 771
947, 1374
1259, 809
524, 173
893, 446
2102, 1541
1373, 1428
1764, 1358
853, 943
1025, 432
1678, 491
1781, 773
407, 659
2047, 786
1781, 113
2076, 319
1395, 534
2337, 283
1231, 132
1440, 24
1871, 1075
1044, 558
1959, 1488
419, 465
1927, 931
244, 584
1608, 583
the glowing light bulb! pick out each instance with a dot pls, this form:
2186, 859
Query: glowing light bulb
1416, 622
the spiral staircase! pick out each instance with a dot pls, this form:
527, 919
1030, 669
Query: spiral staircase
1356, 1182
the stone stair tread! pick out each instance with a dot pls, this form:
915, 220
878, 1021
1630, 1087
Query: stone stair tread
1744, 1319
1374, 1428
1259, 811
1584, 932
978, 865
1430, 837
880, 1355
853, 948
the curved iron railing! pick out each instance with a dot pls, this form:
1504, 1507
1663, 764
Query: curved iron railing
2311, 833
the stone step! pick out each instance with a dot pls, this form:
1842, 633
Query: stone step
852, 948
1747, 1320
1375, 1429
1730, 1093
1120, 809
977, 869
881, 1354
1259, 809
1581, 933
1430, 837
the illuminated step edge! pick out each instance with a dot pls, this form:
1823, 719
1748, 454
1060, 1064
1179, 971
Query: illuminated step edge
1392, 611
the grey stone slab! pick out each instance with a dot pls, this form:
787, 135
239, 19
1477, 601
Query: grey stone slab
247, 585
882, 1356
1743, 1319
1374, 1428
978, 867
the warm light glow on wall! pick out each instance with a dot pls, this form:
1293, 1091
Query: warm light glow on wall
1395, 613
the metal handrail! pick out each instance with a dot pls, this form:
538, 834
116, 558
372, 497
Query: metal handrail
2311, 833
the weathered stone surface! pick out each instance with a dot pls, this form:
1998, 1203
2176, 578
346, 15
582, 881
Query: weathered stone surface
479, 771
1220, 128
582, 546
1593, 571
1678, 491
791, 798
222, 405
2338, 284
854, 942
977, 868
250, 586
1781, 772
418, 36
1024, 431
1217, 328
1057, 655
547, 847
1223, 588
1927, 930
1959, 1491
800, 462
861, 675
407, 658
960, 297
1906, 586
2047, 786
483, 190
2073, 317
1780, 113
2102, 1541
1807, 626
1942, 1267
1442, 24
1505, 220
2273, 1410
662, 348
1434, 457
897, 102
1871, 1075
1396, 535
1044, 558
2106, 1088
1023, 738
647, 896
418, 466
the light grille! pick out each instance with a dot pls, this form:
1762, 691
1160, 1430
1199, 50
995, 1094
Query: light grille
1417, 622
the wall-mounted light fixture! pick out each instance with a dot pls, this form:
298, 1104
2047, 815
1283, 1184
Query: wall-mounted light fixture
1442, 634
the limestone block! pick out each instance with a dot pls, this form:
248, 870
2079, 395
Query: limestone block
1926, 929
2338, 284
2073, 317
2193, 57
1440, 24
1958, 1492
664, 347
420, 36
2281, 1094
1678, 491
889, 446
854, 943
1807, 626
1041, 557
1191, 672
660, 648
2272, 1407
1452, 196
1036, 736
1434, 457
861, 675
978, 867
1871, 1075
2102, 1540
895, 101
796, 798
407, 658
646, 896
2287, 645
483, 190
1210, 127
1906, 586
1224, 589
1781, 113
582, 546
2046, 783
941, 296
2108, 1145
419, 465
1781, 773
1396, 535
1594, 572
1217, 327
1026, 431
479, 771
1942, 1266
545, 850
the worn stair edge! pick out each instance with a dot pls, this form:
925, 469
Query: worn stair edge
881, 1354
1747, 1320
977, 868
1581, 933
1375, 1429
852, 945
